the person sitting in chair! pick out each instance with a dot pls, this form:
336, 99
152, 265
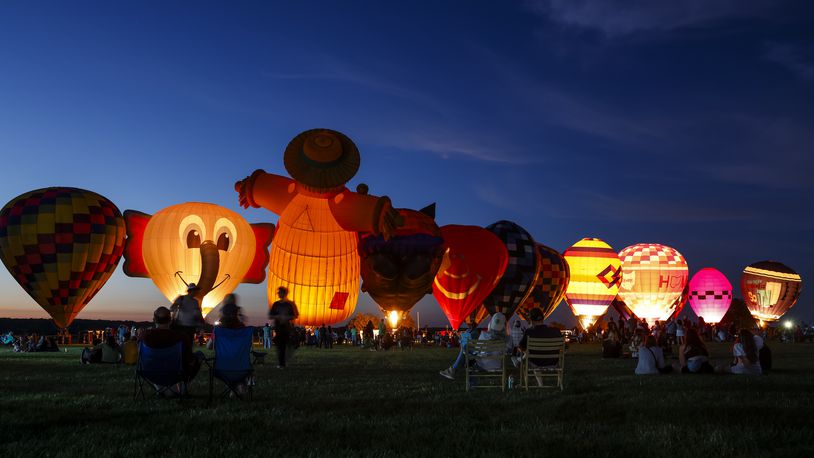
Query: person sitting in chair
495, 331
163, 337
538, 330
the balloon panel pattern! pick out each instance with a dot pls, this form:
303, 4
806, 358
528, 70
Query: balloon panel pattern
770, 289
521, 270
551, 283
653, 278
595, 276
61, 245
710, 294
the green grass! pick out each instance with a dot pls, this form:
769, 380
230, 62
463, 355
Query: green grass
350, 402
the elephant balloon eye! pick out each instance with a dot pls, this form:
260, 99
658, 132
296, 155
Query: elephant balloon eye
193, 239
223, 242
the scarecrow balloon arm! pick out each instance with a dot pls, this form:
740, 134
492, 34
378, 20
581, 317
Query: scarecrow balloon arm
261, 189
365, 213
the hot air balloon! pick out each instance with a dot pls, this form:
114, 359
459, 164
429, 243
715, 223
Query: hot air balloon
61, 245
653, 277
521, 272
681, 301
551, 283
398, 272
473, 264
314, 251
622, 309
770, 289
710, 294
595, 275
200, 243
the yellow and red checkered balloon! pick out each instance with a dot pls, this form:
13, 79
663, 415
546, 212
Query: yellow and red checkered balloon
653, 279
61, 245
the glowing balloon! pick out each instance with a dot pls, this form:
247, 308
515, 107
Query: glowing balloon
551, 283
473, 264
521, 272
61, 245
595, 276
710, 294
770, 289
398, 272
653, 277
622, 309
681, 302
314, 252
200, 243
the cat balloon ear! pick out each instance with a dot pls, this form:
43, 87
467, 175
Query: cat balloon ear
136, 223
263, 233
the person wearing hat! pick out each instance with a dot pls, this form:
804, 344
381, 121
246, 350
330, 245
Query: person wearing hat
188, 314
538, 330
282, 313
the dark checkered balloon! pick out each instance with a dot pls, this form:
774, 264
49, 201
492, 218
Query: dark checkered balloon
61, 245
551, 284
521, 271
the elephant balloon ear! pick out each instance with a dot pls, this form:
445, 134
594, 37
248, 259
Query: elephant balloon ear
263, 233
136, 223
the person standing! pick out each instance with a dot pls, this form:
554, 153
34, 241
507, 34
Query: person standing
188, 315
382, 331
282, 313
322, 341
329, 337
267, 336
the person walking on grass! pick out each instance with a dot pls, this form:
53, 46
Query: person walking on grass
282, 313
267, 336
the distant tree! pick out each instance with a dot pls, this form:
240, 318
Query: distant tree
359, 321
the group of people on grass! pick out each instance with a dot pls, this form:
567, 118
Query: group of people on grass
29, 342
515, 344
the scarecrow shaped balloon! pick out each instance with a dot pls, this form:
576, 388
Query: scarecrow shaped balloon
314, 254
398, 272
200, 243
61, 245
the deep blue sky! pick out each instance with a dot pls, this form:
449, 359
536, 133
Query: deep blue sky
684, 123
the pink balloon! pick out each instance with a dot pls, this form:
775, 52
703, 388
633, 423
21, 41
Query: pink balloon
710, 294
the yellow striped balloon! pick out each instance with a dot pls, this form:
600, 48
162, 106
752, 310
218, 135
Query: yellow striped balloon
595, 276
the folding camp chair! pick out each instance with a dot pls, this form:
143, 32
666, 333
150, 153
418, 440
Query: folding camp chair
479, 351
548, 348
160, 368
232, 363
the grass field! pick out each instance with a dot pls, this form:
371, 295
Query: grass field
350, 402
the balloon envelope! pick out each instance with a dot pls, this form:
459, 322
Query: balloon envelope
710, 294
521, 271
398, 272
61, 245
595, 275
551, 283
474, 262
653, 277
770, 289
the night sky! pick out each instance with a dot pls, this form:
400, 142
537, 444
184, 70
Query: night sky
684, 123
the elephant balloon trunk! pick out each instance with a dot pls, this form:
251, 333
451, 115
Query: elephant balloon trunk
210, 265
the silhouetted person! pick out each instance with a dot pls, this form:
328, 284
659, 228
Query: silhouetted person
281, 314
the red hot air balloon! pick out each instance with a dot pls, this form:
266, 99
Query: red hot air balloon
61, 245
474, 262
770, 289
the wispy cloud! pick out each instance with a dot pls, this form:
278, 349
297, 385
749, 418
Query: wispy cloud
797, 59
614, 18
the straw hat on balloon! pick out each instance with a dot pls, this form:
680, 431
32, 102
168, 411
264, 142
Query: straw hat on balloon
322, 158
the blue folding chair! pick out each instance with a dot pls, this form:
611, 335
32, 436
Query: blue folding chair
232, 363
160, 368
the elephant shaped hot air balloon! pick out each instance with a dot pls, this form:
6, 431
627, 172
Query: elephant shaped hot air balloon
314, 252
770, 289
398, 272
595, 276
61, 245
551, 283
200, 243
653, 278
521, 271
473, 263
710, 294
